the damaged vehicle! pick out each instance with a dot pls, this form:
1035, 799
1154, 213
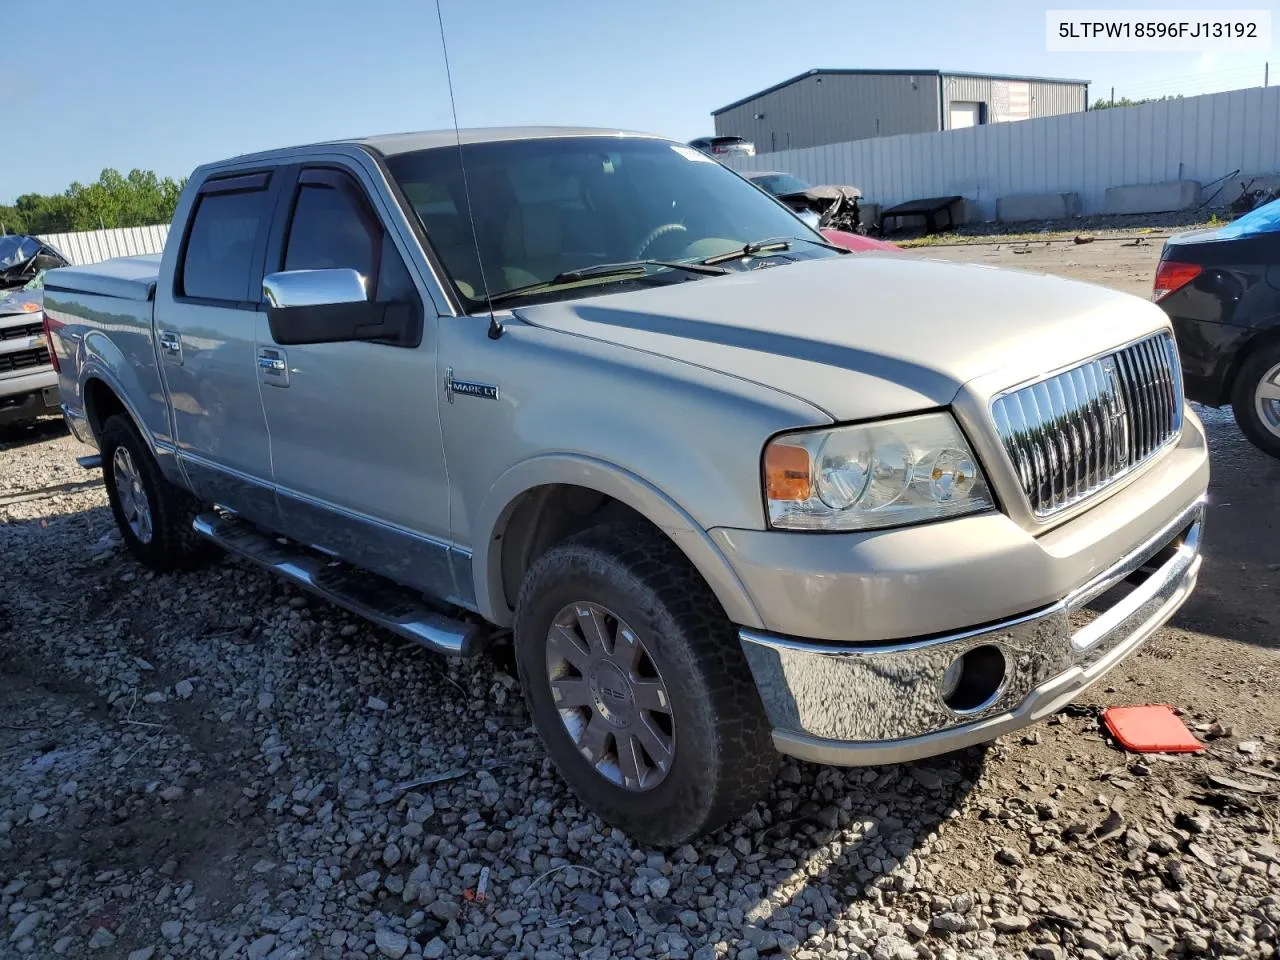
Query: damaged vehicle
597, 405
826, 206
28, 380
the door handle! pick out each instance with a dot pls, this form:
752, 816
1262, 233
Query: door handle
273, 367
170, 346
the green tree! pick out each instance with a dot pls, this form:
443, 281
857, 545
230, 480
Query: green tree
1126, 102
113, 200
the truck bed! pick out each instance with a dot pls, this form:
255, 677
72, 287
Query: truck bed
125, 278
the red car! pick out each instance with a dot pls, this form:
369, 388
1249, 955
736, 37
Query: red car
856, 242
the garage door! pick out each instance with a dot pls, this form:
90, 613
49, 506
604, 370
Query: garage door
964, 114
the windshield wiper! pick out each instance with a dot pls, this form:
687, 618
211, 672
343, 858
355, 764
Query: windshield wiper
771, 245
604, 271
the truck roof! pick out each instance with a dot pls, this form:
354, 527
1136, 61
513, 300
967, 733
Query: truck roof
390, 144
393, 143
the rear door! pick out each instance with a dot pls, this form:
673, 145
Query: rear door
205, 337
355, 426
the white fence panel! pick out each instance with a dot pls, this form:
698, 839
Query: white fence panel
93, 246
1200, 138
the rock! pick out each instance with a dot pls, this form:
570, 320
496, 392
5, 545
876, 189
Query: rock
1014, 924
1165, 902
726, 864
1092, 940
25, 926
1009, 857
376, 703
155, 696
145, 953
1065, 913
952, 923
261, 947
171, 930
1249, 747
396, 945
101, 939
444, 910
917, 928
659, 887
1194, 943
1046, 951
38, 811
183, 689
391, 855
926, 778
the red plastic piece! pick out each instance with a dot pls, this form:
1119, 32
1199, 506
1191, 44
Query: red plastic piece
1153, 728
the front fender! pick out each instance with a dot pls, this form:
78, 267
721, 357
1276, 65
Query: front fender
624, 486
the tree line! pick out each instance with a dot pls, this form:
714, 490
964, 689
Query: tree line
1108, 104
139, 199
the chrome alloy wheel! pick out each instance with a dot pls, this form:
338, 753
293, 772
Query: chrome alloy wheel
610, 696
133, 498
1266, 399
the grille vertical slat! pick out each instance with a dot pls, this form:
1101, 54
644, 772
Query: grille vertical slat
1074, 433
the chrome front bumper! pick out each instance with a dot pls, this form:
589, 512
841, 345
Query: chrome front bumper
852, 705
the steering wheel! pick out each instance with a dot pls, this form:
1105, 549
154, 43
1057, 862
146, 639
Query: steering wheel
655, 233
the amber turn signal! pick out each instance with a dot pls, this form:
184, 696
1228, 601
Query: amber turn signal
787, 473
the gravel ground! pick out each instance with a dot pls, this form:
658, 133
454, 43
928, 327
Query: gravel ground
215, 765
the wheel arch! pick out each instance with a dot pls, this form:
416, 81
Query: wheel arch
1260, 340
525, 513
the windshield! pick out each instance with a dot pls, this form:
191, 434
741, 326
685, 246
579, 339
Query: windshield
780, 184
545, 207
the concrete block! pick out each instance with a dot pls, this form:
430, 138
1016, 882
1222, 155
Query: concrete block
1152, 197
1037, 206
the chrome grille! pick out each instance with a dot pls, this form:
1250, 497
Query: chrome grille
1072, 434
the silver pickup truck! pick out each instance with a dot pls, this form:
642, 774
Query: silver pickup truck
728, 491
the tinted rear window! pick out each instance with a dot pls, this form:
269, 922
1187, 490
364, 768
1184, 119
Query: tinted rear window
219, 254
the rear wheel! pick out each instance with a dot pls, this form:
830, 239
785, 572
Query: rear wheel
637, 684
153, 515
1255, 399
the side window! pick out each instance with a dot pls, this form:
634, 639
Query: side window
330, 230
333, 226
219, 254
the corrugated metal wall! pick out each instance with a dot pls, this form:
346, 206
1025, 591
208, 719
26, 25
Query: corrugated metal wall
92, 246
840, 107
833, 108
1198, 138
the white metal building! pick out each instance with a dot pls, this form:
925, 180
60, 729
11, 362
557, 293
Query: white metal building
836, 106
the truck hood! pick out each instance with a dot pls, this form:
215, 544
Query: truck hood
868, 335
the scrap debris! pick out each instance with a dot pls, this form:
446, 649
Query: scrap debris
1153, 728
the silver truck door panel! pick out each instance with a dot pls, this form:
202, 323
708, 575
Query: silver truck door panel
205, 337
355, 431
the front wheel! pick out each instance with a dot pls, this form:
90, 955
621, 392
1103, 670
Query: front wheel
637, 684
1255, 399
153, 515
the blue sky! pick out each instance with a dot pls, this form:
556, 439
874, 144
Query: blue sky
168, 84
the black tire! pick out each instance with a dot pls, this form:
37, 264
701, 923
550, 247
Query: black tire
724, 759
1243, 405
173, 544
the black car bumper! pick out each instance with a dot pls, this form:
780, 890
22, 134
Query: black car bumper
1208, 351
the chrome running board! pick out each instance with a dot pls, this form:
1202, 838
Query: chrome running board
368, 595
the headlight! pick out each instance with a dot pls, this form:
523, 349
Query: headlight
873, 475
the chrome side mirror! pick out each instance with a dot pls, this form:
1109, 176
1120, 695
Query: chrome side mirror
313, 288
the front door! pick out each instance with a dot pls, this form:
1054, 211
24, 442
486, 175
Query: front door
205, 338
355, 427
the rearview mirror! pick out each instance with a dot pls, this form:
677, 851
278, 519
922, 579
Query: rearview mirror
330, 306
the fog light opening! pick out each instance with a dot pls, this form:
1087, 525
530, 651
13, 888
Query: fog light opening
973, 680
